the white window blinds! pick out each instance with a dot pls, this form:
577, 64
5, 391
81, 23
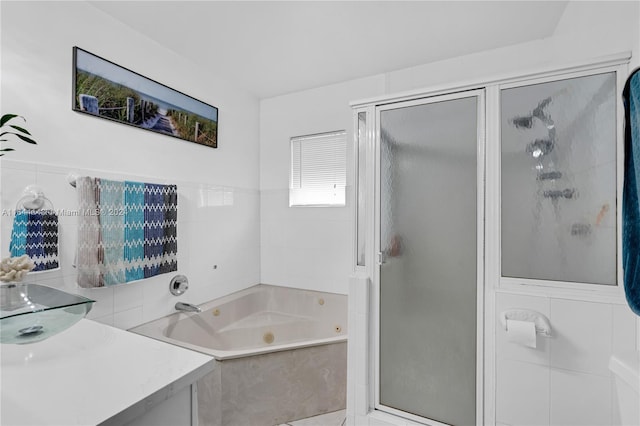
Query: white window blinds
318, 170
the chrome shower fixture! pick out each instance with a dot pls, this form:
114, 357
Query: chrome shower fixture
526, 122
540, 147
523, 122
580, 229
560, 193
538, 112
549, 175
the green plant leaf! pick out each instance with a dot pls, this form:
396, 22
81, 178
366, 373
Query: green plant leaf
7, 149
8, 117
26, 139
21, 129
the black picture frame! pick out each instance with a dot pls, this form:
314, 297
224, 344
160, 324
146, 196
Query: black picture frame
107, 90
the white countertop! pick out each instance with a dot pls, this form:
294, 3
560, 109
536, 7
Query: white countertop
90, 373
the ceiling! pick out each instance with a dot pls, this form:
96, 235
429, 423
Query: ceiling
275, 47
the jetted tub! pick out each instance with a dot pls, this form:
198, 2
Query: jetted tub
281, 354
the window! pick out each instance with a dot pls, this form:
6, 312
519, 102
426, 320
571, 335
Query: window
559, 206
318, 170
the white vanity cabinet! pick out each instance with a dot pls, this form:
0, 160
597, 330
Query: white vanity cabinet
94, 374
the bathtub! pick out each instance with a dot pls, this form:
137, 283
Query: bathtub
281, 354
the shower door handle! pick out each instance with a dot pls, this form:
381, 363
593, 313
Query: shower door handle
381, 258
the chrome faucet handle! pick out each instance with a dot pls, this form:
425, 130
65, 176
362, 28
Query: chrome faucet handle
178, 285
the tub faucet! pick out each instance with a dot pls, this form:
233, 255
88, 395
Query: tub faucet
187, 307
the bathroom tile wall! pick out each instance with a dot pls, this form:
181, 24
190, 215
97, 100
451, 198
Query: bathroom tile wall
218, 242
219, 201
306, 247
565, 379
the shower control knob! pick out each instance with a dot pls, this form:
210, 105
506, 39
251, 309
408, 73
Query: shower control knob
178, 285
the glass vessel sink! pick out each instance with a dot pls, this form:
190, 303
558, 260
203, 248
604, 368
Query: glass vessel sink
32, 312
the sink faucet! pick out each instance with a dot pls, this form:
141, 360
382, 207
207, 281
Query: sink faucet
187, 307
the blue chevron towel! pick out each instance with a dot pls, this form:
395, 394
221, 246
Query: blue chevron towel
135, 235
631, 193
35, 233
134, 230
111, 206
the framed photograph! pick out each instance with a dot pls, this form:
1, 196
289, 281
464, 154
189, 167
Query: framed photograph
107, 90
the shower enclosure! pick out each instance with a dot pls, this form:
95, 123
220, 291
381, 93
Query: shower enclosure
429, 153
507, 186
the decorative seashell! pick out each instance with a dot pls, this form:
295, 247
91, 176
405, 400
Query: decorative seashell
15, 268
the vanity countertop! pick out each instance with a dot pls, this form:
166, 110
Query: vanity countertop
92, 373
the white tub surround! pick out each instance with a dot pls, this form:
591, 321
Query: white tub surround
96, 374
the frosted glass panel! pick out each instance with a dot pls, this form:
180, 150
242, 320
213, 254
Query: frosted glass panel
559, 180
361, 189
428, 279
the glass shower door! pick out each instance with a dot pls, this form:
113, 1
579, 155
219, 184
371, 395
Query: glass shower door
429, 273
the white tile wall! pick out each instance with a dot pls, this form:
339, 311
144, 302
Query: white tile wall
315, 242
523, 392
509, 350
566, 380
218, 219
582, 336
580, 399
216, 226
625, 323
128, 318
304, 247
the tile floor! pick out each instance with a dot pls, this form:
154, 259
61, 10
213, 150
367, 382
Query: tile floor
337, 418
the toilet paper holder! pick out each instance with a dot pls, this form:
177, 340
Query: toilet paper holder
543, 327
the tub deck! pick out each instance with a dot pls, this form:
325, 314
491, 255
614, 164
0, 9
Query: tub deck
260, 319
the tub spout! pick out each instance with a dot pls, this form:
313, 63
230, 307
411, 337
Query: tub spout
187, 307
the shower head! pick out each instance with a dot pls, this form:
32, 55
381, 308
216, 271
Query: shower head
540, 147
539, 113
526, 122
